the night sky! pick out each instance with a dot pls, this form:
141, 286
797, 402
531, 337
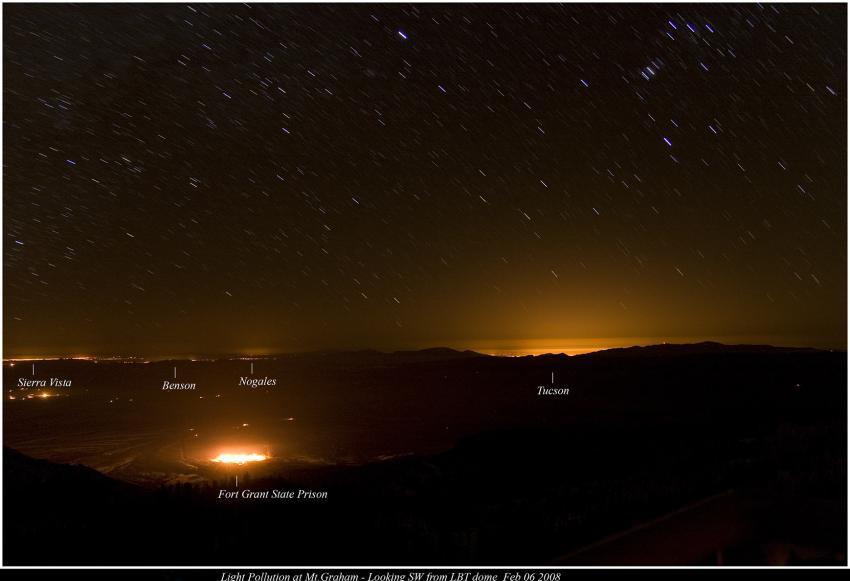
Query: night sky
255, 179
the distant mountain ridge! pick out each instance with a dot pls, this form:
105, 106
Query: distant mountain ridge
704, 347
448, 353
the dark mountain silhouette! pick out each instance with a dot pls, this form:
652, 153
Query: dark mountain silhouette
706, 347
435, 354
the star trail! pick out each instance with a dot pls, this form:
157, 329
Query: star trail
267, 178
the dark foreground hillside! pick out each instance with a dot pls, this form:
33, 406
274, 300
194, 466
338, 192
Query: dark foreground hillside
706, 455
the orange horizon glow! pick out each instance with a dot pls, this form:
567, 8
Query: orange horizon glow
580, 346
503, 347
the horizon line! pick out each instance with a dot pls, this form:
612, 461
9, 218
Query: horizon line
489, 352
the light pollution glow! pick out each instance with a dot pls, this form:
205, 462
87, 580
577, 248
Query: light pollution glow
496, 347
225, 458
575, 346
